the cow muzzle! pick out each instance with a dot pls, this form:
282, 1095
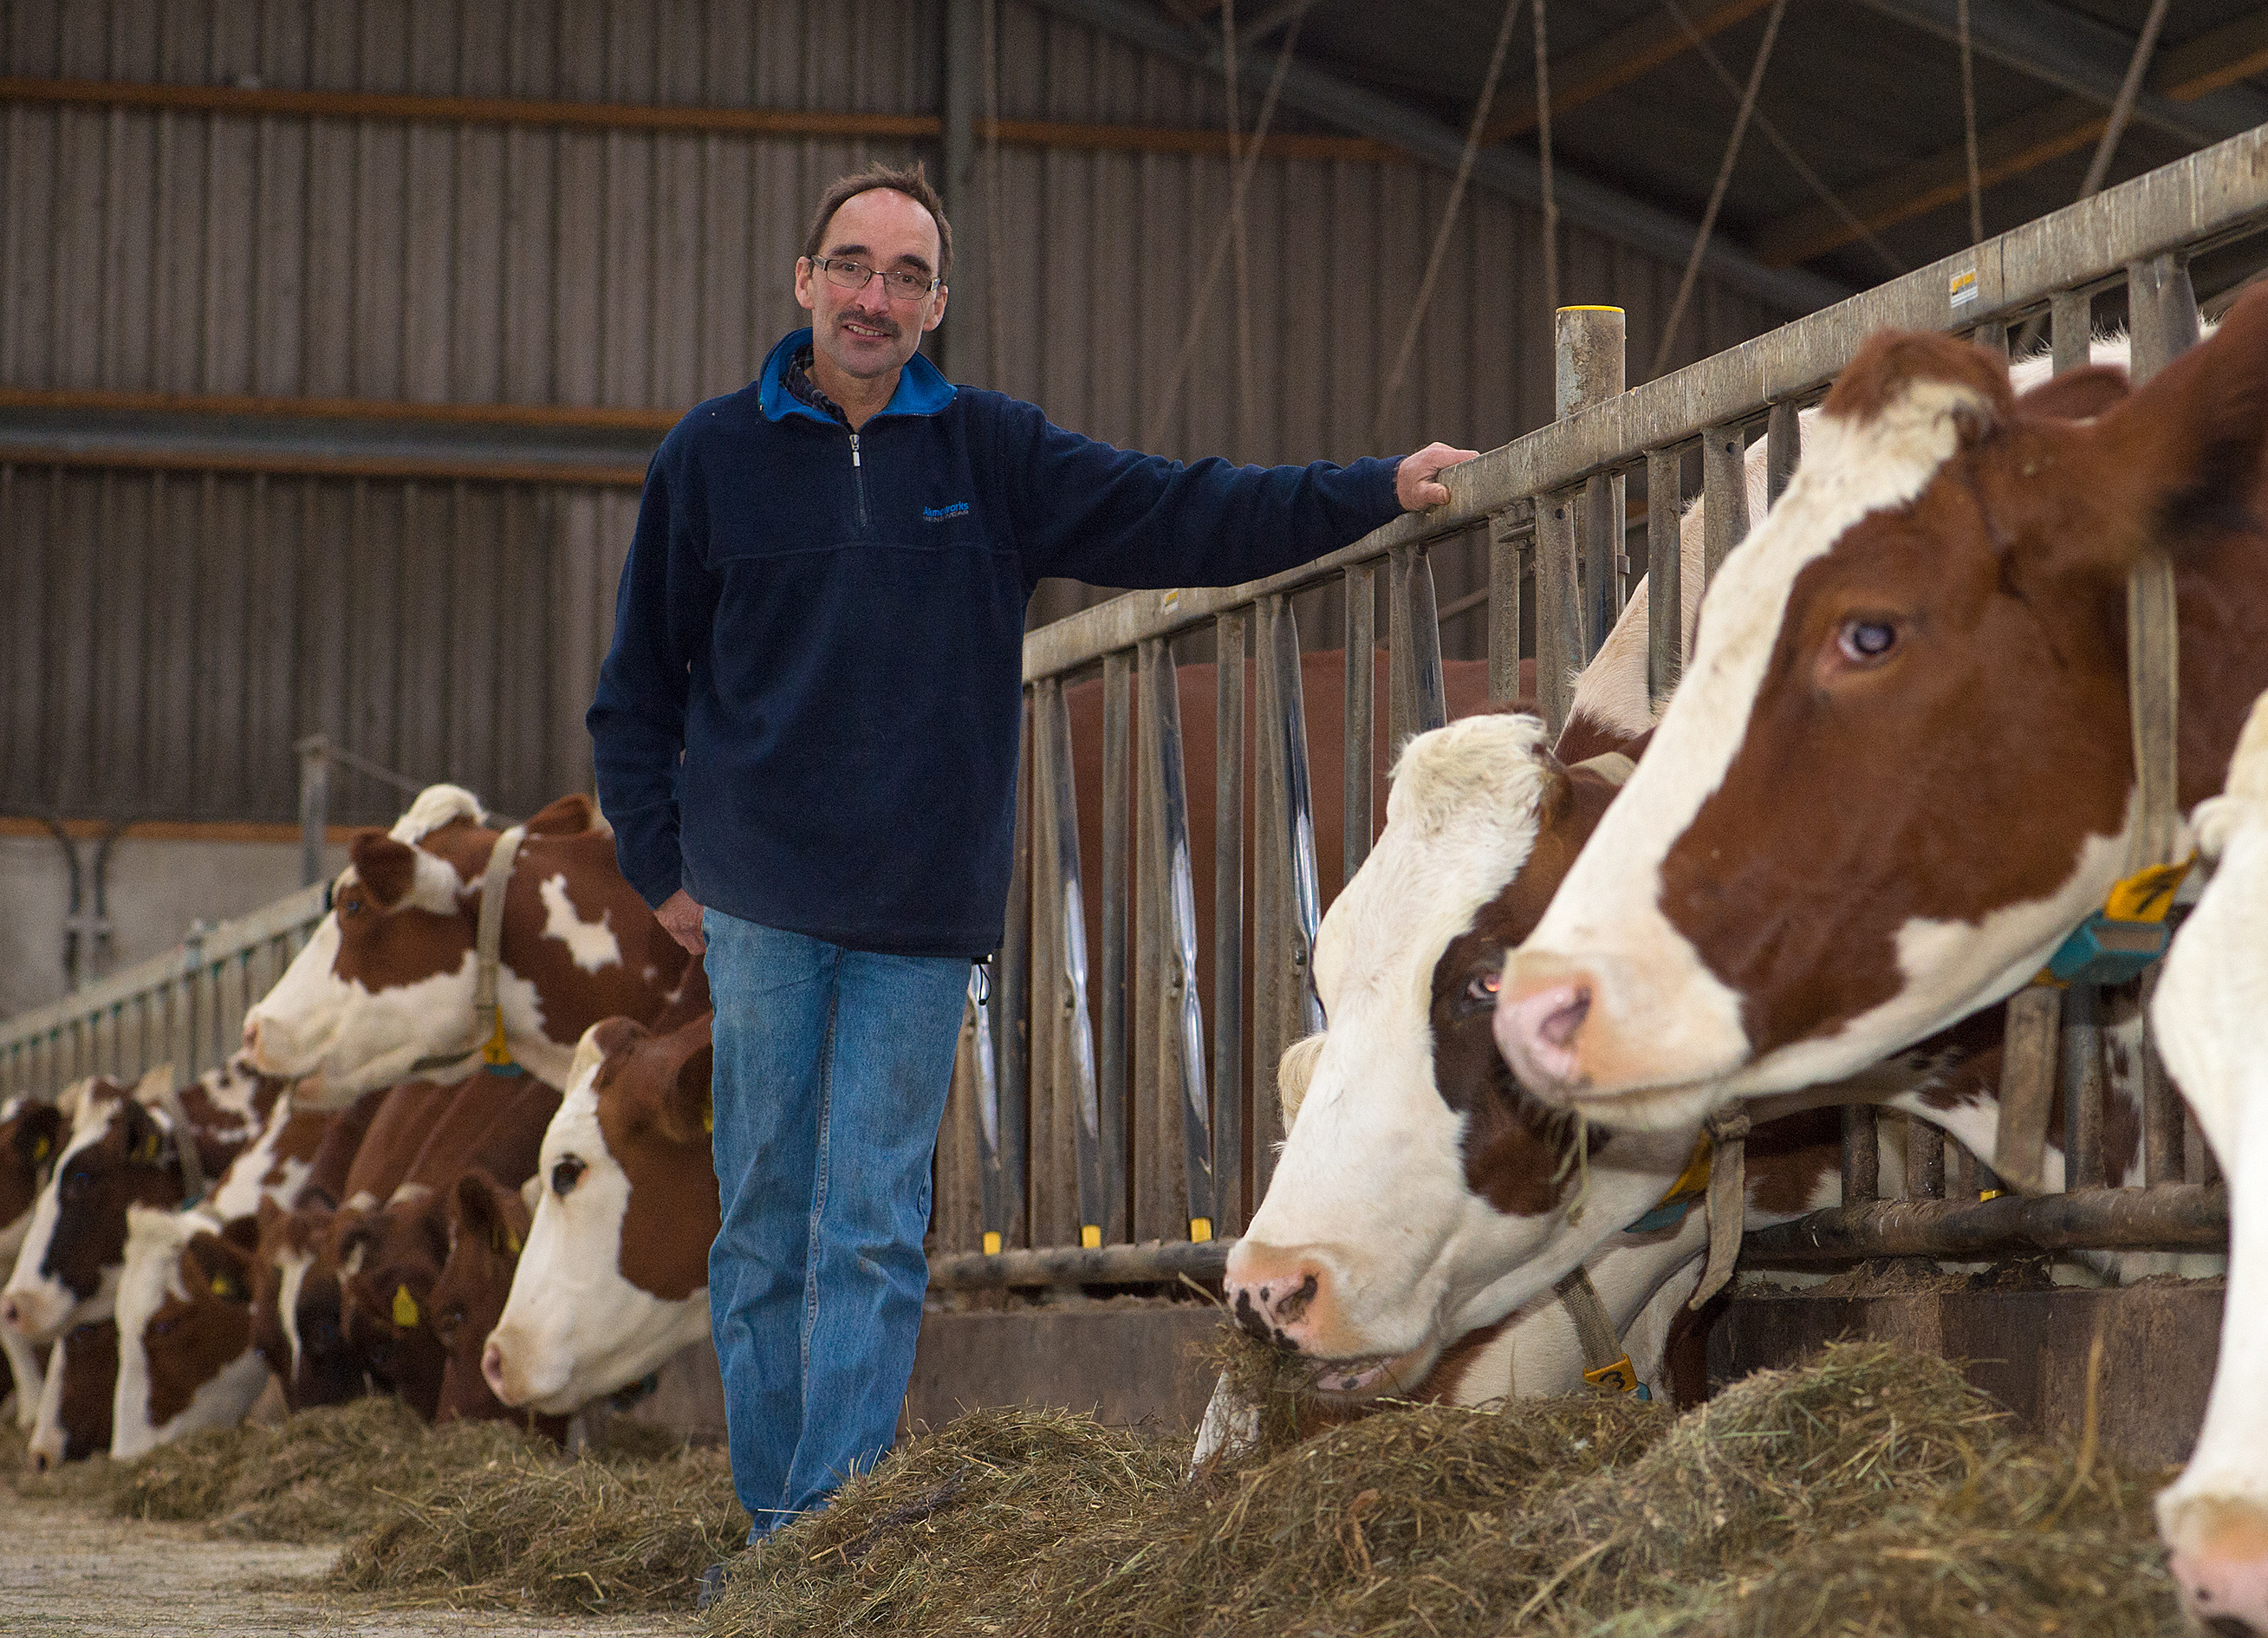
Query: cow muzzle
1289, 1296
2220, 1562
1628, 1044
33, 1314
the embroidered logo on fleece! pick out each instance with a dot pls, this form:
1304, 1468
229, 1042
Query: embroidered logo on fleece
939, 514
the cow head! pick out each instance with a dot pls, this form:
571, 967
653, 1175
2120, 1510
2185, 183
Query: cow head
1897, 769
296, 1321
31, 1133
74, 1420
387, 1259
186, 1359
120, 1153
488, 1228
1420, 1193
616, 1273
385, 986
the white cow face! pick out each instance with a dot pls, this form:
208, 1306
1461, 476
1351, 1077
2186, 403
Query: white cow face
613, 1278
1420, 1194
186, 1361
386, 980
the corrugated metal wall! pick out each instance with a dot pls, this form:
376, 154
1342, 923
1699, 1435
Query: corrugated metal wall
169, 635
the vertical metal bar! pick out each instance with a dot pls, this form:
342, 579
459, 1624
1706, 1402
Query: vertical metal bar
1724, 496
2161, 1104
2029, 1058
1861, 1158
1421, 659
1664, 552
1114, 1085
2070, 327
2199, 1163
1181, 1024
1004, 1172
1925, 1161
314, 805
1288, 905
2161, 314
1151, 1179
2082, 1087
1588, 354
1360, 768
1559, 608
1783, 448
1401, 688
1504, 529
1075, 1027
1231, 1087
1054, 1160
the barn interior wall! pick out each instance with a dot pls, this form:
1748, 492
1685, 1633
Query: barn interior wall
156, 889
169, 634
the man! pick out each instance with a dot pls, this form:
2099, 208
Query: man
806, 738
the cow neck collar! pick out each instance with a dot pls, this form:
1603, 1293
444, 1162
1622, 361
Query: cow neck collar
487, 947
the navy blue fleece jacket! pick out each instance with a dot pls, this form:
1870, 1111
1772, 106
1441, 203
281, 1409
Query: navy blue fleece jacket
809, 718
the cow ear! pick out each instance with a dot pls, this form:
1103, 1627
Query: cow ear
146, 1142
687, 1116
39, 1136
1294, 1071
569, 816
2078, 395
2180, 456
478, 1213
210, 1263
387, 869
150, 1091
243, 1232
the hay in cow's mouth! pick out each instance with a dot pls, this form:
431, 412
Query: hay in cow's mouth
1871, 1491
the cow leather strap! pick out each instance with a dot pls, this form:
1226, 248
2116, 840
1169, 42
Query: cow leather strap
487, 947
1729, 1190
194, 1184
1606, 1366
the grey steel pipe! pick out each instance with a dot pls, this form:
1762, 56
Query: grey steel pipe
2175, 1217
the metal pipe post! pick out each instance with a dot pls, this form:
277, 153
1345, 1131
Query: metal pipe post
1587, 368
314, 805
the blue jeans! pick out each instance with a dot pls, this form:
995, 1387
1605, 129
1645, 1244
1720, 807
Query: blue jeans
832, 1067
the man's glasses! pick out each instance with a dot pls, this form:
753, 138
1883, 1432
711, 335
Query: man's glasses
903, 284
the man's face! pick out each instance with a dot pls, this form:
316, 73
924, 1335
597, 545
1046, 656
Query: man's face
868, 332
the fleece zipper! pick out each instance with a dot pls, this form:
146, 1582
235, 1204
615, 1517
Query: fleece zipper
857, 481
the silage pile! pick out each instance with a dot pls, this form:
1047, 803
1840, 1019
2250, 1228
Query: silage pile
1871, 1492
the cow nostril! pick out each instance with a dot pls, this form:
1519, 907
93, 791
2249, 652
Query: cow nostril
492, 1368
1559, 1026
1294, 1303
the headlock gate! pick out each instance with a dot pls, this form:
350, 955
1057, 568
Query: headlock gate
1108, 1123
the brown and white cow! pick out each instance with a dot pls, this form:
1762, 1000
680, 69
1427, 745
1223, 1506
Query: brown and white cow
1421, 1194
123, 1149
2209, 1004
614, 1277
185, 1359
389, 1257
385, 987
74, 1419
296, 1317
488, 1229
1899, 770
32, 1132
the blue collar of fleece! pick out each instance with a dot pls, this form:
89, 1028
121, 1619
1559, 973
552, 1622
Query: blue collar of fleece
921, 390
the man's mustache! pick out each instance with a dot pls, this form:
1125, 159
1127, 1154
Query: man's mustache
885, 326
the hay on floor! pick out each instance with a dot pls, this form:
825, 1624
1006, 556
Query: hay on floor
529, 1530
1871, 1492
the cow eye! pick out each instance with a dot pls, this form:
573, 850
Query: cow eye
1481, 989
445, 1322
1865, 642
349, 903
75, 1184
565, 1174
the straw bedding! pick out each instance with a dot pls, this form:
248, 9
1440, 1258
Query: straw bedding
1870, 1492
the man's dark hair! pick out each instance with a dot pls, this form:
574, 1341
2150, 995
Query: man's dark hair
912, 183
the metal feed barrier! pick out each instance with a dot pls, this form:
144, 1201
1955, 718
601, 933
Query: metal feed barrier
1102, 1129
1096, 1136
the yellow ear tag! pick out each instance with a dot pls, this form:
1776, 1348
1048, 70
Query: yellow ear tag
511, 1242
39, 1151
708, 1120
405, 1309
145, 1153
220, 1286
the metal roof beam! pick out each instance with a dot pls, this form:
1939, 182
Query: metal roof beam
2066, 48
1511, 172
2184, 74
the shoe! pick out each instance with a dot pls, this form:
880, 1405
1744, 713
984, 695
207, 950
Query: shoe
709, 1588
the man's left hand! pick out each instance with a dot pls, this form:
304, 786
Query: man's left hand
1416, 482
